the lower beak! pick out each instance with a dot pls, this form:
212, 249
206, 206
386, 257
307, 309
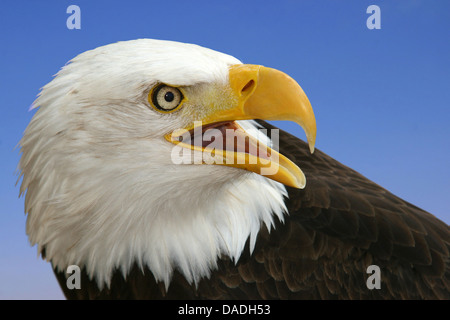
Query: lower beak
258, 93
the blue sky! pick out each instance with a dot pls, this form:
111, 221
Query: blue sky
381, 97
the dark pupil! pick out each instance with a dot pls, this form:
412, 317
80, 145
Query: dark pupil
169, 96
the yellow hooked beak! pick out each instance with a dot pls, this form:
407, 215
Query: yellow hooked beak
258, 93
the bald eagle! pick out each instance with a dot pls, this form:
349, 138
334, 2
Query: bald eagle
123, 178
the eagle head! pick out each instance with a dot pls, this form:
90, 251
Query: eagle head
118, 170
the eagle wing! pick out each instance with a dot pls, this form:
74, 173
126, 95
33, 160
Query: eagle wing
337, 227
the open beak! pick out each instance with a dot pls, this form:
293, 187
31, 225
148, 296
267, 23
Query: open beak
257, 93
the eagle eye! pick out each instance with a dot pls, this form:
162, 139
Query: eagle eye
166, 98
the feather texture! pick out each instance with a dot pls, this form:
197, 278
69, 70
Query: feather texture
305, 257
102, 192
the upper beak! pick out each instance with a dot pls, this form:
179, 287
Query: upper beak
267, 94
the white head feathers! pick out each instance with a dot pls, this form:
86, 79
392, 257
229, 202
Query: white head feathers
101, 190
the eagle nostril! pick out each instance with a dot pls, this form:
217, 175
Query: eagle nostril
248, 87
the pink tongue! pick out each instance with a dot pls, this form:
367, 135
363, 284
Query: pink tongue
229, 137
